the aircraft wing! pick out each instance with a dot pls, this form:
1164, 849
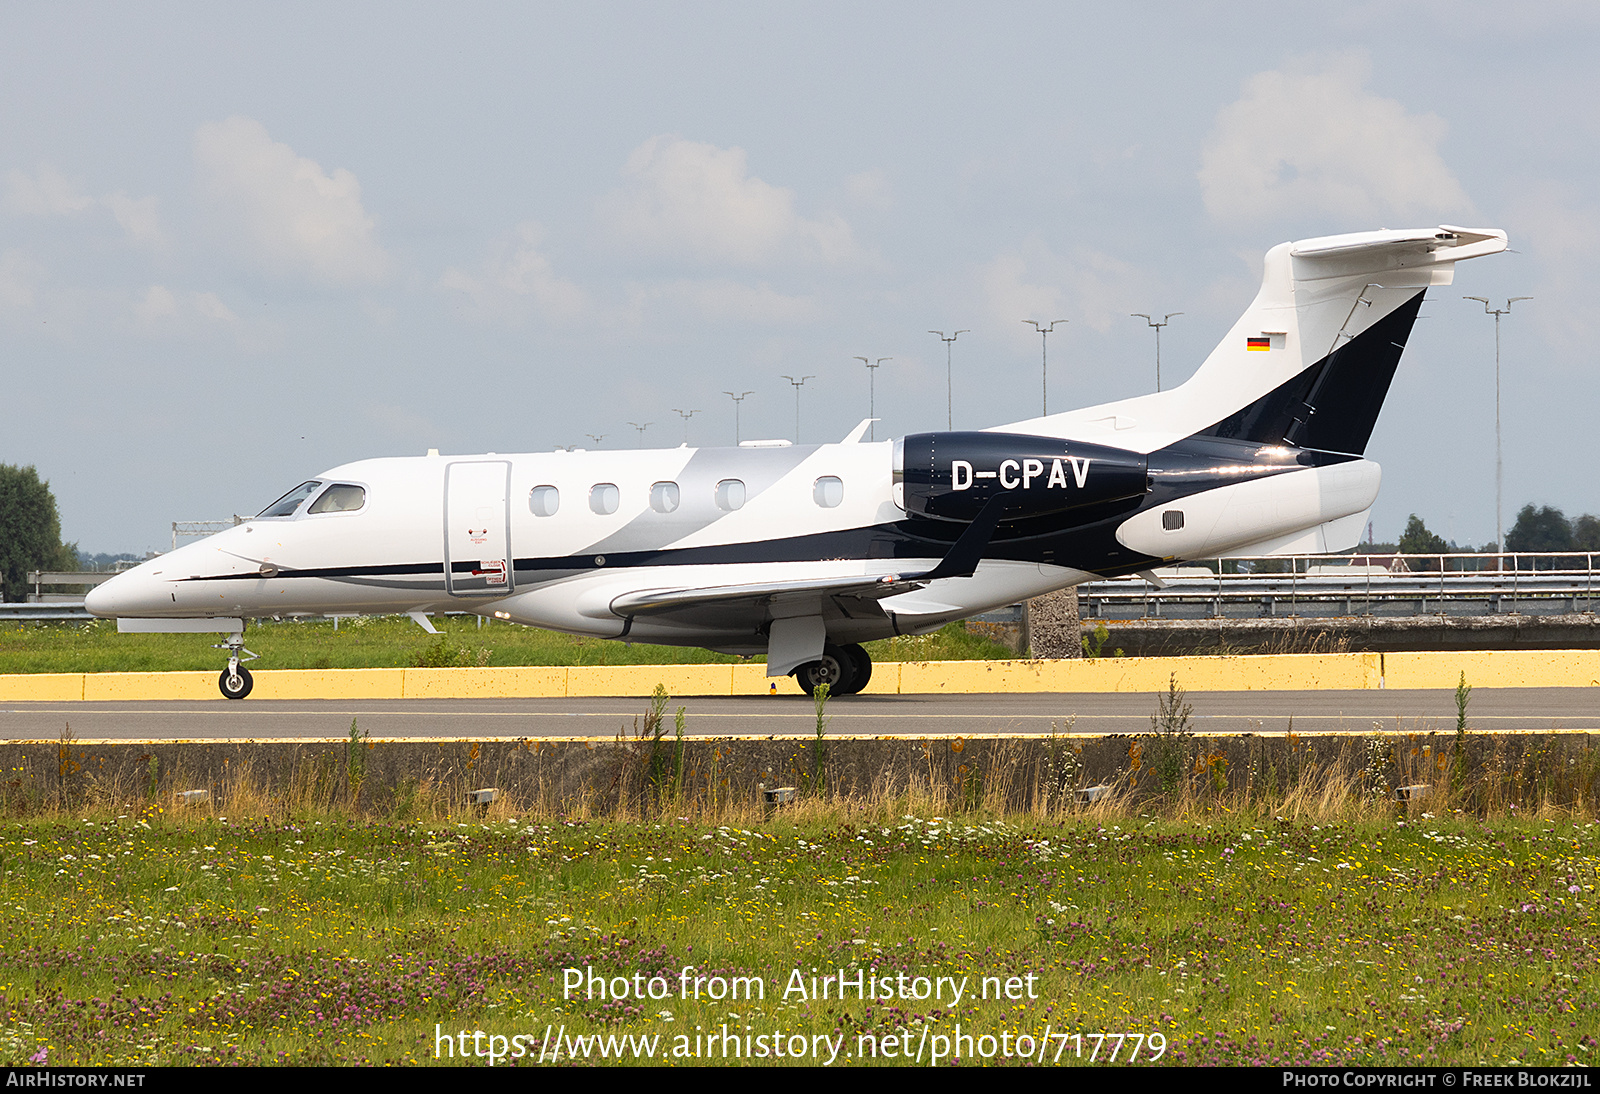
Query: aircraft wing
758, 603
761, 602
770, 594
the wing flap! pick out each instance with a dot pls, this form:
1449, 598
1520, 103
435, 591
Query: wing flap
768, 595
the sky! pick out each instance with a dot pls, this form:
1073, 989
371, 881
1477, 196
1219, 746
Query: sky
241, 244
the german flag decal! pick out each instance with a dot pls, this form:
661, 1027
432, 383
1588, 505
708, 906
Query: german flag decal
1262, 343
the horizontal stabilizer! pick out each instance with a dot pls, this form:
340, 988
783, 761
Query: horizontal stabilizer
1309, 362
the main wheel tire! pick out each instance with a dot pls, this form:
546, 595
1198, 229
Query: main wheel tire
861, 661
235, 685
837, 669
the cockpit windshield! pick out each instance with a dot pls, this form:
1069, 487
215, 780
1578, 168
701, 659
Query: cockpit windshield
286, 505
341, 497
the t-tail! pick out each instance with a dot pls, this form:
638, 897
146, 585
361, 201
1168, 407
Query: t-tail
1259, 452
1310, 361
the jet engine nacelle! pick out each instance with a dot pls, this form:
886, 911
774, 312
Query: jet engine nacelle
952, 476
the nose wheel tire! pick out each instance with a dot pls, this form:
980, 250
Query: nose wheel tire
235, 683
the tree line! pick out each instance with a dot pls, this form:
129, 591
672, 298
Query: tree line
1540, 528
30, 531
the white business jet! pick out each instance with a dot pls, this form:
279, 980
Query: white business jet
803, 552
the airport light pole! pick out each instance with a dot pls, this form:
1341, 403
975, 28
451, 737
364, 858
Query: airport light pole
797, 384
596, 438
685, 415
1499, 538
737, 399
1044, 362
949, 383
1164, 321
872, 392
641, 427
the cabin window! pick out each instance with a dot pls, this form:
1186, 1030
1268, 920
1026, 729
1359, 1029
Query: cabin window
1172, 520
664, 497
730, 495
341, 497
604, 498
286, 505
828, 492
544, 501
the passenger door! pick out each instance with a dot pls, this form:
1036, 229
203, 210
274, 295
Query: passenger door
477, 528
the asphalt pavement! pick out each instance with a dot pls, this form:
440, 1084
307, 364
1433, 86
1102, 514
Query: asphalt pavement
1491, 709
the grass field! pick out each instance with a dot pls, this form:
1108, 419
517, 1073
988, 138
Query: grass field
393, 642
1198, 939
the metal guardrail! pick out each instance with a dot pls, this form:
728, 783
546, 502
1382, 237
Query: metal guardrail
56, 612
1391, 585
1448, 584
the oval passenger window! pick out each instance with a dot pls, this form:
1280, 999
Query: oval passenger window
829, 492
604, 498
544, 501
664, 497
730, 495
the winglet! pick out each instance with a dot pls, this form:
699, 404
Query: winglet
855, 435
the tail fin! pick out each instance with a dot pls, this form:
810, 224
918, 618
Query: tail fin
1341, 326
1310, 361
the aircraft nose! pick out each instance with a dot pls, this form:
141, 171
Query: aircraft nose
101, 600
132, 593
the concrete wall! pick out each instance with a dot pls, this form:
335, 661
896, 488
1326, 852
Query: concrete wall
1366, 634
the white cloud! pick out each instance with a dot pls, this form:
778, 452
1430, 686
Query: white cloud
1032, 282
47, 192
18, 276
684, 198
138, 218
1560, 231
288, 214
517, 279
1012, 296
188, 315
1307, 142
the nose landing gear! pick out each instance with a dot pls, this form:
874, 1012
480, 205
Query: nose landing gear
235, 681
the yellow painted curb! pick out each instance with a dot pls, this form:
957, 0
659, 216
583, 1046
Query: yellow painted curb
1494, 669
1274, 672
598, 680
484, 683
327, 684
42, 687
133, 686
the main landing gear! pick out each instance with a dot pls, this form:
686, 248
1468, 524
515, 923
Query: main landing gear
845, 669
235, 680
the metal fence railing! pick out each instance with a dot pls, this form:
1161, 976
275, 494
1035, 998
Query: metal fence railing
1450, 584
1458, 584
